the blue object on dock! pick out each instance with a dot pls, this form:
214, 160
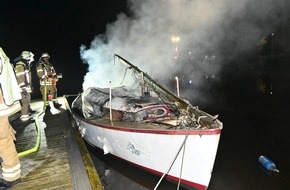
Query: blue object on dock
268, 164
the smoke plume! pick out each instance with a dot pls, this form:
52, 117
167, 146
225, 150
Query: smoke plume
220, 28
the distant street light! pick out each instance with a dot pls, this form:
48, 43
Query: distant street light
176, 39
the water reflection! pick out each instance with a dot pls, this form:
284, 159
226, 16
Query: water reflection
117, 174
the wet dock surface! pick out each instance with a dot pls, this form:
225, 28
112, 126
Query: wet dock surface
59, 162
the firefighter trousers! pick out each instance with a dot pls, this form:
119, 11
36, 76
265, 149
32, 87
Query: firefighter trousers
10, 160
25, 104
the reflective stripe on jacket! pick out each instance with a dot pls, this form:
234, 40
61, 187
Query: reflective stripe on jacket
10, 94
23, 76
45, 71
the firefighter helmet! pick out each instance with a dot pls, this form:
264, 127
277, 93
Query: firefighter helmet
45, 55
27, 55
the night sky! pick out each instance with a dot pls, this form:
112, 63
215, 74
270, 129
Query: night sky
61, 27
58, 27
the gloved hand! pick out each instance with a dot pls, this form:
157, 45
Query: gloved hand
24, 93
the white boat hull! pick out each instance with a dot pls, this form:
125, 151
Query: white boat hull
187, 155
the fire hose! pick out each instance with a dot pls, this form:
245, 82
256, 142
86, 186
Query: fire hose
37, 124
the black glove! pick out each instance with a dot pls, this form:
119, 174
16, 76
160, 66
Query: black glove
24, 93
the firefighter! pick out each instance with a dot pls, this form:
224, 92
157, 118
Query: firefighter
9, 104
23, 76
47, 76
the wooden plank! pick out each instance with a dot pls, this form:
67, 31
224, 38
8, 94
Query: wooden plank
58, 163
48, 168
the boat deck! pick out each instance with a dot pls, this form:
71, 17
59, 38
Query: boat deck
134, 125
52, 152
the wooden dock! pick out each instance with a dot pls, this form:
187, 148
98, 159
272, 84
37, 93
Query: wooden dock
52, 152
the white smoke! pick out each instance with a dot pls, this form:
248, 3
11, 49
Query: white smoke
221, 27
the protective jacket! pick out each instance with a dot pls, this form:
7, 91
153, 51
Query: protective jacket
9, 87
47, 78
9, 104
46, 73
23, 75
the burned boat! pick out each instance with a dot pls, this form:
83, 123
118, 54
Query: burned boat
150, 127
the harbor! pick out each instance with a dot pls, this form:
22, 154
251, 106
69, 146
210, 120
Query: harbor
218, 118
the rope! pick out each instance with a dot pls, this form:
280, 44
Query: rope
165, 173
181, 166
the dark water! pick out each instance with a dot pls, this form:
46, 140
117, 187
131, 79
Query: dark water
253, 126
256, 122
117, 174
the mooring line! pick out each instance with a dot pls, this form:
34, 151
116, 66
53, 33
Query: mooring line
181, 166
165, 173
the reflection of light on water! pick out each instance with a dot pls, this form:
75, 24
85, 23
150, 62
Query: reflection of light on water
29, 165
107, 172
